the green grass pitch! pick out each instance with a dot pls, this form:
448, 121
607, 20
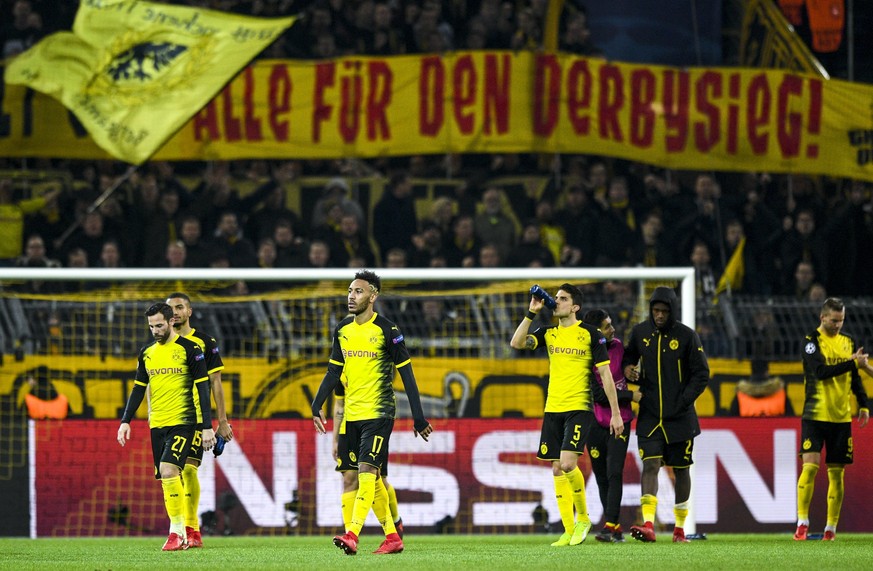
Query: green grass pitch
761, 552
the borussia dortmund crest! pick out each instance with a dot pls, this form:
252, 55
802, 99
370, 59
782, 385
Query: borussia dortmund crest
674, 344
595, 453
807, 444
353, 457
641, 453
544, 449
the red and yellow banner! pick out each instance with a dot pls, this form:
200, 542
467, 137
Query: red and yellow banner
483, 102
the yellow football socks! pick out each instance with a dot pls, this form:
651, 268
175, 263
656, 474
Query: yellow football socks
836, 490
577, 484
805, 487
192, 495
392, 501
173, 500
680, 511
649, 504
564, 495
363, 501
380, 508
348, 506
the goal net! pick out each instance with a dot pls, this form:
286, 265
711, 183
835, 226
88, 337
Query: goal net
74, 335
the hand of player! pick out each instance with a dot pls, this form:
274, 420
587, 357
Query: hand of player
863, 417
536, 304
123, 433
424, 432
631, 373
616, 424
320, 421
225, 430
208, 438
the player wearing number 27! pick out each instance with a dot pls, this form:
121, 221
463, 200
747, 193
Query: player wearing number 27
673, 371
170, 368
575, 350
368, 348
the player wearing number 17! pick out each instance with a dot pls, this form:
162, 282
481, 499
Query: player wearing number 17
367, 347
170, 368
575, 349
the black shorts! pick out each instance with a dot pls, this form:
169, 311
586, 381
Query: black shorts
675, 454
836, 437
564, 431
368, 441
196, 452
344, 462
171, 444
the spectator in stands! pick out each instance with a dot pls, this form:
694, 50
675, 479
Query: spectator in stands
705, 223
261, 223
576, 37
617, 231
442, 213
394, 217
336, 197
13, 213
804, 278
817, 293
383, 36
598, 181
530, 252
229, 238
426, 245
462, 247
742, 273
197, 251
319, 255
35, 255
528, 33
431, 32
848, 234
267, 257
290, 249
90, 237
176, 255
395, 258
110, 255
161, 228
489, 257
351, 242
214, 194
23, 31
802, 242
652, 250
579, 222
551, 233
493, 225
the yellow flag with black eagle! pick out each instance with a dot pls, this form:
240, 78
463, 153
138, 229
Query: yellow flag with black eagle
135, 72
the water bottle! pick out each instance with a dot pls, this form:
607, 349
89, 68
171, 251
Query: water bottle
219, 445
539, 292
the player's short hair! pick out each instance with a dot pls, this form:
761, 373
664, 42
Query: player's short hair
161, 308
575, 293
180, 295
595, 317
371, 278
833, 304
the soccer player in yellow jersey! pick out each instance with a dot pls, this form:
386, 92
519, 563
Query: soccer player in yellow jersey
367, 348
575, 350
830, 372
181, 305
349, 473
170, 367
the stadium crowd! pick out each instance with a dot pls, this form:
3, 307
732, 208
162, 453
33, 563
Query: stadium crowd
799, 236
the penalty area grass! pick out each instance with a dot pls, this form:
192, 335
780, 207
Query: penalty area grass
770, 552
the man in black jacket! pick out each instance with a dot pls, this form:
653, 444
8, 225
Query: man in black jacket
666, 359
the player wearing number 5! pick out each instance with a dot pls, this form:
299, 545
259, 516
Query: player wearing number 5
368, 348
575, 350
170, 368
666, 359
